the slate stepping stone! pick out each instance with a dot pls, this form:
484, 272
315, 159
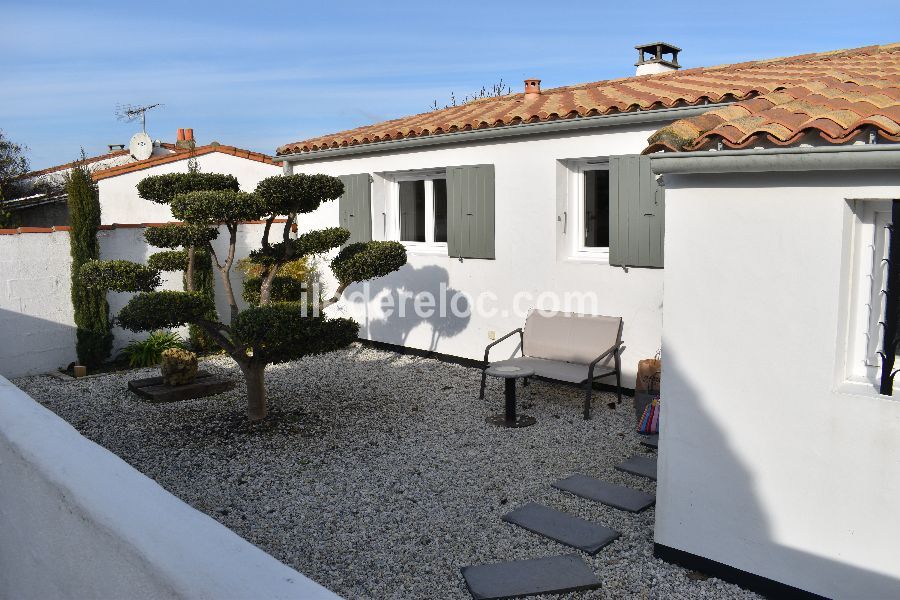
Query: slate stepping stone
651, 441
617, 496
640, 465
550, 575
562, 527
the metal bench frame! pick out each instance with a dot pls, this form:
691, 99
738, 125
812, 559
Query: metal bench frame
588, 383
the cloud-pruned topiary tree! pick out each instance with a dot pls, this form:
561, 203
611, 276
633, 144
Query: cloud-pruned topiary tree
271, 331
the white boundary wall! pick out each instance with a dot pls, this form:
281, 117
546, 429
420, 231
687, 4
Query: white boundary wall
36, 318
78, 522
768, 462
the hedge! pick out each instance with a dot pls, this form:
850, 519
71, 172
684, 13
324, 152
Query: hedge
177, 260
225, 206
162, 189
119, 276
284, 331
367, 260
163, 310
177, 235
301, 193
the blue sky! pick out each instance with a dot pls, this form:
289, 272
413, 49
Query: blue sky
260, 74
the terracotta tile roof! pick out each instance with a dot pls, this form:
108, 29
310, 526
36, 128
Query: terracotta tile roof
88, 160
834, 92
182, 155
835, 96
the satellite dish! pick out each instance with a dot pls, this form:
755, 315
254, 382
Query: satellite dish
140, 146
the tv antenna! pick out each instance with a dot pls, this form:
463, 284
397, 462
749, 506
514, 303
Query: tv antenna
130, 112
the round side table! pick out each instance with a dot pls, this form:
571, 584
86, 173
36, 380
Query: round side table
509, 373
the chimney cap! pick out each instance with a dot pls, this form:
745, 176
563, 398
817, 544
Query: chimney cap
532, 87
656, 50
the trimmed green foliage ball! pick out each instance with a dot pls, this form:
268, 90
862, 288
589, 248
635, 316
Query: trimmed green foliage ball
178, 235
285, 194
119, 276
306, 244
224, 206
177, 260
280, 332
284, 289
162, 189
367, 260
164, 310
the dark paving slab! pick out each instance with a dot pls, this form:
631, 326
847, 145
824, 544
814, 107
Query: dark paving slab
640, 465
553, 574
617, 496
562, 527
651, 441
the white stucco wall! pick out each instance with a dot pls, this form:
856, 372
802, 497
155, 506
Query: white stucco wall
78, 522
120, 203
767, 463
36, 321
526, 248
36, 317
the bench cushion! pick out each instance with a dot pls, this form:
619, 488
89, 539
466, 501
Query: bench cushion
569, 337
554, 369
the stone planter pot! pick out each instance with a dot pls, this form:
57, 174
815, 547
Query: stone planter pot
179, 366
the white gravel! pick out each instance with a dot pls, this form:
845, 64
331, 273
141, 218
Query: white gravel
382, 478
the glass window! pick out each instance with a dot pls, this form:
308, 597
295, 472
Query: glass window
440, 210
596, 209
412, 211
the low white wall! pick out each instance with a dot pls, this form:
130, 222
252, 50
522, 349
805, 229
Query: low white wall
766, 463
78, 522
37, 327
36, 318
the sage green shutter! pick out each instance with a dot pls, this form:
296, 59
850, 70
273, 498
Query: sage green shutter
636, 213
470, 211
355, 207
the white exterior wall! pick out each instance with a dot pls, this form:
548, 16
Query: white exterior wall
36, 318
120, 203
37, 327
78, 522
526, 248
768, 462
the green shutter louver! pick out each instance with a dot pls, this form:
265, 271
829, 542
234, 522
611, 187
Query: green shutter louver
470, 211
636, 213
355, 207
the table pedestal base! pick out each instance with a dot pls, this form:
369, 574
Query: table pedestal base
520, 421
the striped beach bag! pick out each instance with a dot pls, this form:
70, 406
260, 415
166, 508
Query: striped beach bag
649, 422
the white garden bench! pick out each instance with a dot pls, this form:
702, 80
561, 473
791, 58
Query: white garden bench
567, 347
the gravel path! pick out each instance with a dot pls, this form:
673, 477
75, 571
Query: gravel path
381, 478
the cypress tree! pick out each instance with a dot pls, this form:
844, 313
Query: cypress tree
93, 335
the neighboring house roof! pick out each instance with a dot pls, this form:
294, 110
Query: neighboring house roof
844, 89
92, 160
182, 155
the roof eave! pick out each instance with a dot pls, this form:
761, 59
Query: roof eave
505, 131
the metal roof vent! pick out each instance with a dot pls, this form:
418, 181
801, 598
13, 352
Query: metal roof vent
652, 58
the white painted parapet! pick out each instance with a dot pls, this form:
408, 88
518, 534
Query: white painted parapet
78, 522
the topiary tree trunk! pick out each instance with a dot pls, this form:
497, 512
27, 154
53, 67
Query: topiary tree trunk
93, 334
271, 332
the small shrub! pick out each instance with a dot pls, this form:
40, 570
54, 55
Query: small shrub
148, 352
118, 276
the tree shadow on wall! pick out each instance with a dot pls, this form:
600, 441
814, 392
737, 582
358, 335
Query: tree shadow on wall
403, 306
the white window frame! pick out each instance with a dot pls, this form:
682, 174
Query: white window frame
575, 211
429, 246
869, 271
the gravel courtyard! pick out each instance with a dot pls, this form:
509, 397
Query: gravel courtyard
381, 478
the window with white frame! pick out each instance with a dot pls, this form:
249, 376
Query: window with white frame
420, 208
588, 209
869, 283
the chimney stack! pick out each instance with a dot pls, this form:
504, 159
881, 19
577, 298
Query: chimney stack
185, 138
532, 88
115, 147
652, 58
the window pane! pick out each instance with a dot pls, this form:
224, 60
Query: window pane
596, 209
440, 210
412, 211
